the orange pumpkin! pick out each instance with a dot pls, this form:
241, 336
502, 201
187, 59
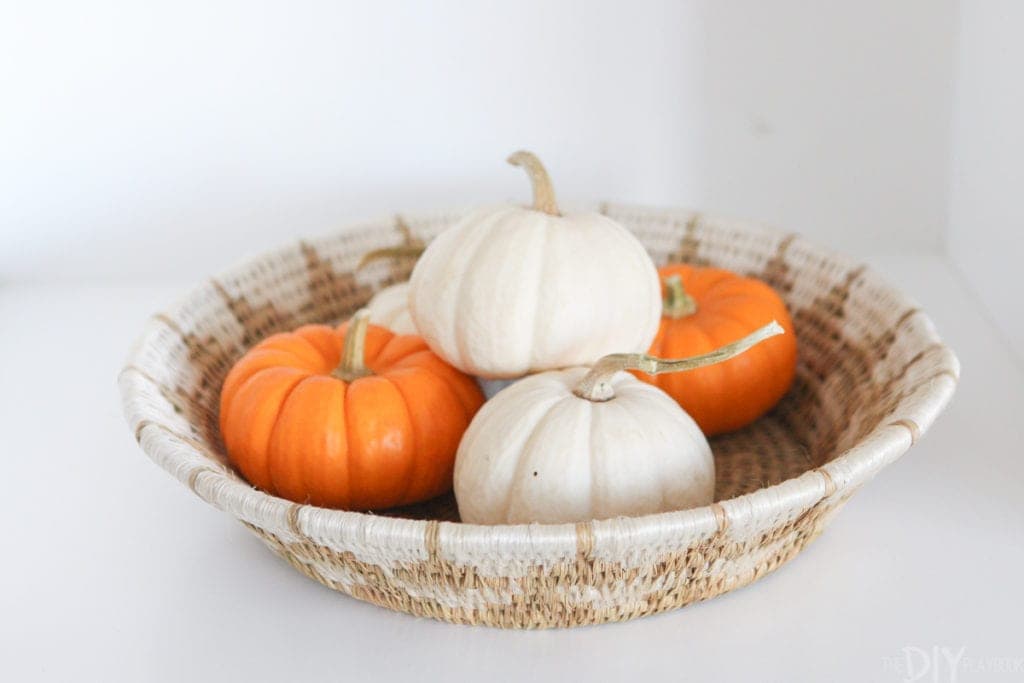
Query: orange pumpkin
705, 308
354, 417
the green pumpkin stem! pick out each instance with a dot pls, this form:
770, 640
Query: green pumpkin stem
596, 384
353, 354
411, 247
401, 252
677, 304
543, 192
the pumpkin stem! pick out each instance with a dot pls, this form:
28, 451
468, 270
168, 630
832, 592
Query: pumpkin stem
677, 304
410, 248
596, 384
353, 355
543, 192
404, 251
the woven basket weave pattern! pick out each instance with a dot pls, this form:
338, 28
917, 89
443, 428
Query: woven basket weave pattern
872, 377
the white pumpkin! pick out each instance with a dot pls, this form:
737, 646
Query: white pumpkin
509, 291
575, 445
390, 308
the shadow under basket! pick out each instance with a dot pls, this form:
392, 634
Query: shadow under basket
872, 377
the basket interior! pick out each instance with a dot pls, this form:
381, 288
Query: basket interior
857, 338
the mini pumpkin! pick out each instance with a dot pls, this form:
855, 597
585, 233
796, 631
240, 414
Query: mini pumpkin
390, 308
511, 290
354, 417
705, 308
580, 444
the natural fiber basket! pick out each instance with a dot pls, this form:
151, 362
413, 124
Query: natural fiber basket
872, 377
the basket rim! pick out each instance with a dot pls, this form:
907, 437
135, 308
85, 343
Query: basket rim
190, 462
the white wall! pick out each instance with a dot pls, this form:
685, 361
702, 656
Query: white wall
831, 118
986, 236
166, 141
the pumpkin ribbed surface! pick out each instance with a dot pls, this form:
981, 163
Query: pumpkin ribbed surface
729, 395
378, 441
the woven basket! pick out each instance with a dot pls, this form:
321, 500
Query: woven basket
872, 377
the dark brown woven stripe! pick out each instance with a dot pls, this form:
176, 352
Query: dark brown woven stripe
689, 245
777, 271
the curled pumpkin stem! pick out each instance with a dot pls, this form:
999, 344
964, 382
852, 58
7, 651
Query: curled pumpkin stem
596, 384
400, 252
678, 304
411, 247
543, 192
353, 354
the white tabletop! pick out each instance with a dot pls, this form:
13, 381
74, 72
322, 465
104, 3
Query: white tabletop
112, 569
